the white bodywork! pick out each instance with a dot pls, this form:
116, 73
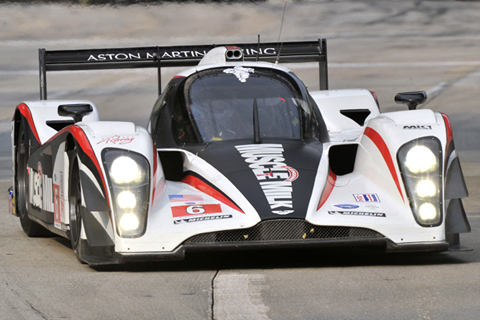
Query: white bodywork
371, 176
385, 207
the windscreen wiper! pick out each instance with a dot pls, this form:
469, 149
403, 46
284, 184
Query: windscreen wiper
256, 123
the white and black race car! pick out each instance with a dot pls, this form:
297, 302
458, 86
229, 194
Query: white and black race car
237, 154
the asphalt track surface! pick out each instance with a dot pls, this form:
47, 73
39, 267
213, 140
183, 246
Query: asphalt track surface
384, 46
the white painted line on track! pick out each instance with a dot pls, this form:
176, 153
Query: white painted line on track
239, 296
4, 73
423, 64
436, 90
307, 65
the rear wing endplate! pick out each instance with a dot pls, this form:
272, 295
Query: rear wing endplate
178, 56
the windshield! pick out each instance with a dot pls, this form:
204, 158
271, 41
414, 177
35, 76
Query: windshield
224, 104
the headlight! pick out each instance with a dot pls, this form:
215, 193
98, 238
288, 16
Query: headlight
125, 170
427, 211
129, 177
126, 200
129, 221
420, 159
420, 163
425, 188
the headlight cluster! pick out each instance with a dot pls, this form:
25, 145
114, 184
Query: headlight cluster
420, 163
129, 175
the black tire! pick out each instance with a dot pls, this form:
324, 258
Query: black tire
31, 228
75, 203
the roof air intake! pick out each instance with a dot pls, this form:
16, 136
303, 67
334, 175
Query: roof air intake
233, 54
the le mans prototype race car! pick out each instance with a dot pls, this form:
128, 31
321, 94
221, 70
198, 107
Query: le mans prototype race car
237, 154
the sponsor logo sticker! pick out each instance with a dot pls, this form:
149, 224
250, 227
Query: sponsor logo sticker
117, 140
241, 73
274, 175
40, 191
195, 209
418, 127
185, 198
358, 213
203, 218
346, 206
366, 197
372, 206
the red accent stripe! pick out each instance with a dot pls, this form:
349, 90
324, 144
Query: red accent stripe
448, 127
382, 147
205, 188
332, 178
25, 111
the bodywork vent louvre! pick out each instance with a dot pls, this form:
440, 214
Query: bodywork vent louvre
282, 230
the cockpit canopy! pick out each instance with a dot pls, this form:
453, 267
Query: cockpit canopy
234, 103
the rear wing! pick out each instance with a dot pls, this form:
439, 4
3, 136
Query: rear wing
178, 56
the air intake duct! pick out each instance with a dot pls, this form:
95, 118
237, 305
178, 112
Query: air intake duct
233, 54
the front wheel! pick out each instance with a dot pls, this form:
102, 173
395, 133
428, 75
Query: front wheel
75, 204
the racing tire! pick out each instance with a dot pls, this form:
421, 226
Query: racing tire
30, 227
75, 205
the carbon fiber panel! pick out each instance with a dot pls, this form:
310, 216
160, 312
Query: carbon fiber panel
281, 230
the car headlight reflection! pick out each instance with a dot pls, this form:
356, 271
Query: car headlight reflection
427, 211
126, 200
129, 176
419, 161
425, 188
129, 222
125, 170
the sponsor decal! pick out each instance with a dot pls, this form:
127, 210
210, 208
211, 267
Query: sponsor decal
40, 193
182, 211
118, 140
371, 206
366, 197
241, 73
172, 54
203, 218
358, 213
58, 205
274, 175
185, 198
198, 212
417, 127
122, 56
265, 51
346, 206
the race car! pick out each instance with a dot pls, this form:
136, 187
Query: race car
238, 154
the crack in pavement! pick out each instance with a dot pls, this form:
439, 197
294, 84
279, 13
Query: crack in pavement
212, 304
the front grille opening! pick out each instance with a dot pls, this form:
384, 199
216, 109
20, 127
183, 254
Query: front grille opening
283, 230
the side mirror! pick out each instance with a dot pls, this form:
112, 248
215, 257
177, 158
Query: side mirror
412, 99
76, 111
